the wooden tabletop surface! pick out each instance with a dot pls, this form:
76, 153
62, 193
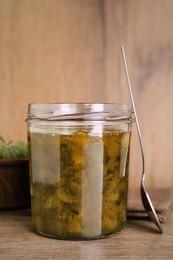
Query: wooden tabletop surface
139, 240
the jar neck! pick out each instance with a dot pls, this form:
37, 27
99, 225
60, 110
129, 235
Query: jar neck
80, 112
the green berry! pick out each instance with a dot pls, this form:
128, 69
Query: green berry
2, 139
15, 150
2, 147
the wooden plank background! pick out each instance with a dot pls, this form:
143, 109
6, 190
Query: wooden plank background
69, 51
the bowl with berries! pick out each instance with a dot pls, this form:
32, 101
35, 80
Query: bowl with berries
14, 175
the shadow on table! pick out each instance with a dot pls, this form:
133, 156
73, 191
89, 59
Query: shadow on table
143, 224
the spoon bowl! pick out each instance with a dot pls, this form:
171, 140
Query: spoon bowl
146, 201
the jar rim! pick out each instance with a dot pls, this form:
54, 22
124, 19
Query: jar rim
80, 111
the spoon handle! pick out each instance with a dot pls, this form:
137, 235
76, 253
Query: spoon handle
134, 110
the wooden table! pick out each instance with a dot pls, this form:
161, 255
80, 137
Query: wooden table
139, 240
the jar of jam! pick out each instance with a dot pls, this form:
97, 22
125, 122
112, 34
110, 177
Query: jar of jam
79, 160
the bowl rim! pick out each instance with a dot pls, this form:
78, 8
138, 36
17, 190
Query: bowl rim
12, 161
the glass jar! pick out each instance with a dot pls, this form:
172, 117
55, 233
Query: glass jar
79, 158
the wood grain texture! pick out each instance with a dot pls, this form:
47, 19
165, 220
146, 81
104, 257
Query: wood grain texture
69, 50
139, 240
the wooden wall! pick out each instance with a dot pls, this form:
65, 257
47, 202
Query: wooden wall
69, 51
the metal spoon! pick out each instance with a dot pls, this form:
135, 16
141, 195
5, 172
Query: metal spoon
144, 194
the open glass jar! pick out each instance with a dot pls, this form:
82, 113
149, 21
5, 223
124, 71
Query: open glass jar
79, 157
